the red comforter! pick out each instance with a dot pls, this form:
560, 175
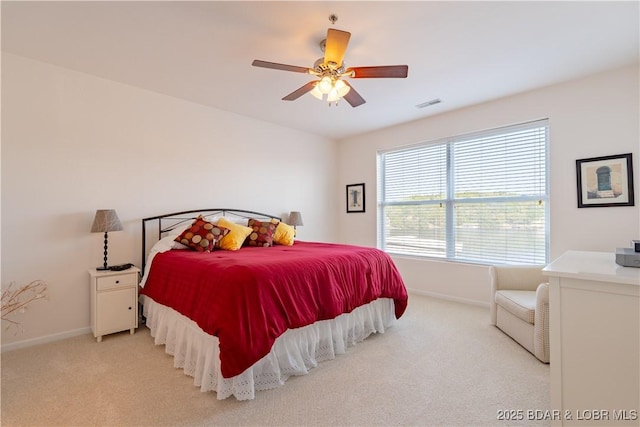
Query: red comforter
248, 298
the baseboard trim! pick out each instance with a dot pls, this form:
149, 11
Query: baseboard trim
44, 340
448, 297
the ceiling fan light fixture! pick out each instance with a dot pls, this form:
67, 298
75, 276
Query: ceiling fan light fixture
325, 84
333, 96
316, 92
341, 88
333, 88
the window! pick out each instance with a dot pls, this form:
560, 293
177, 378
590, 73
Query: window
477, 198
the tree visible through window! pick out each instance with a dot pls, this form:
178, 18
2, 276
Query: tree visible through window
478, 198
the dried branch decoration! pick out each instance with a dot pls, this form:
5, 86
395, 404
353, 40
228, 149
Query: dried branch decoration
17, 300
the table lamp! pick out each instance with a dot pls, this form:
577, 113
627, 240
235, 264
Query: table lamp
105, 220
295, 219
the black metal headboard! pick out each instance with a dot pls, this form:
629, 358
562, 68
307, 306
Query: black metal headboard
171, 221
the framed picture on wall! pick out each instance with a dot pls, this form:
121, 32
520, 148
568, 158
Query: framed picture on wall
355, 198
605, 181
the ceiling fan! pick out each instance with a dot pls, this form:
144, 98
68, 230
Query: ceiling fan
330, 71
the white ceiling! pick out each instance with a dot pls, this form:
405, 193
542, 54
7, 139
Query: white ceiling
461, 52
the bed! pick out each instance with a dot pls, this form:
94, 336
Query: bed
245, 318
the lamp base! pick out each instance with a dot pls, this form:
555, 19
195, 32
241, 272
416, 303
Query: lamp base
102, 268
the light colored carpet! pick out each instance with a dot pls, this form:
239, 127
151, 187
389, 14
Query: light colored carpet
442, 364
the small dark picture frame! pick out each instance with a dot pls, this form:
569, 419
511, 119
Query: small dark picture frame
355, 198
605, 181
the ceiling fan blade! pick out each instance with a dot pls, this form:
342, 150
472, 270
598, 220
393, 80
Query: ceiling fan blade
353, 97
276, 66
301, 91
336, 46
392, 71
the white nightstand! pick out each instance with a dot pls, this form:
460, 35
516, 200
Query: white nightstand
114, 301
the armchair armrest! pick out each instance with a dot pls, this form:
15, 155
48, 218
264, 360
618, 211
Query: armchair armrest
541, 323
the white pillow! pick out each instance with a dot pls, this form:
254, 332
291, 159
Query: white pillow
170, 242
232, 218
163, 245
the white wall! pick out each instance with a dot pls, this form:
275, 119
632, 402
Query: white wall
590, 117
73, 143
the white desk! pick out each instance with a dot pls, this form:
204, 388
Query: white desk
594, 337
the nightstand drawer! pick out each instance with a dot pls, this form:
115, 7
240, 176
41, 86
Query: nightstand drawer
118, 281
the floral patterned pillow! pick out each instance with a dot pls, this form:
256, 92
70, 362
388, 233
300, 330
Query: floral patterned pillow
202, 236
262, 234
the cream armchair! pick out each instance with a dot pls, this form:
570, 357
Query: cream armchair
520, 306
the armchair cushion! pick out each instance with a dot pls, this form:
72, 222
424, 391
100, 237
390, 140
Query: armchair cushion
521, 304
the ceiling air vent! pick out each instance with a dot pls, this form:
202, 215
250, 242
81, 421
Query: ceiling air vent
428, 103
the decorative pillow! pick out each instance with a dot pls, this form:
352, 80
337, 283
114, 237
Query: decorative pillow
284, 234
262, 233
236, 237
202, 236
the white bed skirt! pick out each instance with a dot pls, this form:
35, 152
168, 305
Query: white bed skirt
294, 353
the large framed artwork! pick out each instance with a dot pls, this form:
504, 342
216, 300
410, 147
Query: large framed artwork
355, 198
605, 181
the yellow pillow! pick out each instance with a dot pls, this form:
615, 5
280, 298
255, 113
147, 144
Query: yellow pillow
236, 237
284, 234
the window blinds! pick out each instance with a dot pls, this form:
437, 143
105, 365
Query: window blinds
477, 198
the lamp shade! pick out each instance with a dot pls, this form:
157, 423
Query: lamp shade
316, 92
106, 220
325, 84
342, 88
295, 218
